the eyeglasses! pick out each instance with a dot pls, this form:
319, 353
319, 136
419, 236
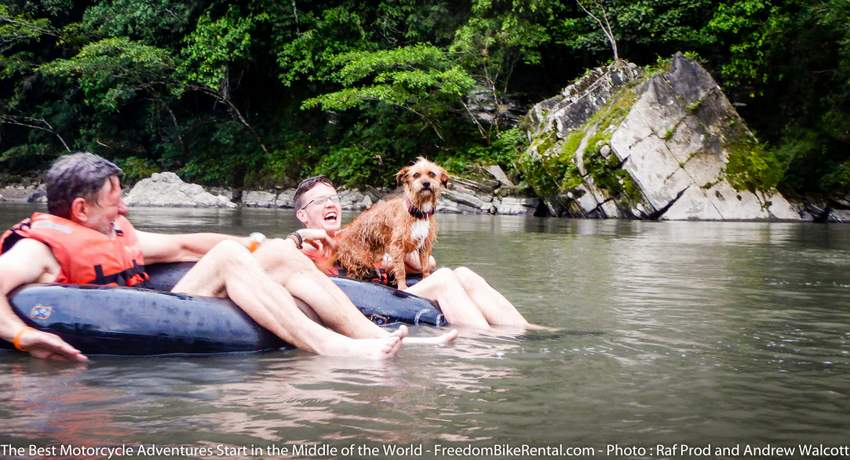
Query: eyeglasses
322, 200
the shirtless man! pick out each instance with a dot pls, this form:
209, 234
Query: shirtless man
464, 296
86, 238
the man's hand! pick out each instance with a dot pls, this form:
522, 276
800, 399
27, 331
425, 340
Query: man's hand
30, 261
317, 234
44, 345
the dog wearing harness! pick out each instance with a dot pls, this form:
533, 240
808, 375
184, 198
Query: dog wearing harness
396, 226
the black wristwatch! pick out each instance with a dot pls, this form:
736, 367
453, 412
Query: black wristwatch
297, 239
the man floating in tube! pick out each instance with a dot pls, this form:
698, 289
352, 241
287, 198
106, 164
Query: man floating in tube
86, 238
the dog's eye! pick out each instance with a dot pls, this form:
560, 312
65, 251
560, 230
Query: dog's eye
416, 175
431, 174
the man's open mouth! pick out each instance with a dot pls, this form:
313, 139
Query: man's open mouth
331, 216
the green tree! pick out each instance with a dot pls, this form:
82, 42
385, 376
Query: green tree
21, 35
154, 22
214, 51
113, 71
419, 78
497, 36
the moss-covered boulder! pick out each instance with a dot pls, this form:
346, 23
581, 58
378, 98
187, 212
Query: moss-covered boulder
663, 143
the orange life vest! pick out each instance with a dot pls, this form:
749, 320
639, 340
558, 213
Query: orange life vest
323, 259
85, 256
326, 263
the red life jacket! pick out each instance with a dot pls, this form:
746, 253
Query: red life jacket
326, 264
323, 259
85, 256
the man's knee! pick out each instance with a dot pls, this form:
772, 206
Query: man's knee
464, 274
443, 273
228, 248
229, 251
445, 278
286, 254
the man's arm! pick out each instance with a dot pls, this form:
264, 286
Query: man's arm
185, 247
30, 261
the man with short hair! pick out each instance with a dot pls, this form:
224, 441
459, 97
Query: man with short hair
85, 238
464, 296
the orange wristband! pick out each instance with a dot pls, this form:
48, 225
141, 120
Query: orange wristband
17, 340
257, 239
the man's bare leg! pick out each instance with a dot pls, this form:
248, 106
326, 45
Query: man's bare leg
498, 310
444, 287
230, 270
495, 307
287, 266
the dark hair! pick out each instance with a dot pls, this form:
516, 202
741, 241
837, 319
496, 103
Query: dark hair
305, 186
79, 175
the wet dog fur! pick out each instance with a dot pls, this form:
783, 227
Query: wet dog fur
397, 226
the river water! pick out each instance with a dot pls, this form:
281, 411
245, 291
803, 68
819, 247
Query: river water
679, 332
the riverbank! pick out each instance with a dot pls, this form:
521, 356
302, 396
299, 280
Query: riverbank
464, 196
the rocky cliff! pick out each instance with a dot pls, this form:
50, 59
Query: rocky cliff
624, 142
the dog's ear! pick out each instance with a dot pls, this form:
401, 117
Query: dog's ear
444, 177
401, 175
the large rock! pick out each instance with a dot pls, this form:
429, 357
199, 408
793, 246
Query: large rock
840, 216
168, 190
466, 202
1, 198
354, 200
580, 100
514, 206
498, 174
652, 146
266, 199
445, 206
285, 199
259, 199
39, 196
675, 144
818, 209
223, 191
20, 193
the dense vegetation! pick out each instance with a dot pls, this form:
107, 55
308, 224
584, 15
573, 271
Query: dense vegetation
261, 93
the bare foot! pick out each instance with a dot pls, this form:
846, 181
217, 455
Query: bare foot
443, 339
401, 332
382, 348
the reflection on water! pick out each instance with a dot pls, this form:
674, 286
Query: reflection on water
671, 332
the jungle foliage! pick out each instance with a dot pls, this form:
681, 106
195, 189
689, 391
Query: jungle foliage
262, 93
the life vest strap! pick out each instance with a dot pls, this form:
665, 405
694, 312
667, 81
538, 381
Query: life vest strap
129, 277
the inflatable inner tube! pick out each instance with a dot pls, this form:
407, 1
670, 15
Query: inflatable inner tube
381, 304
131, 321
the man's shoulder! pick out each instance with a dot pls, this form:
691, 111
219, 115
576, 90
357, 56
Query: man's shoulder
33, 257
32, 252
33, 247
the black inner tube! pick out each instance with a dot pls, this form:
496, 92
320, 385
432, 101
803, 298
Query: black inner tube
134, 321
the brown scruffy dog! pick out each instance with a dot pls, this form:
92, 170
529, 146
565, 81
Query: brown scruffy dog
397, 226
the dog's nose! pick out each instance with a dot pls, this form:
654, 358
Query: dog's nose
426, 185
